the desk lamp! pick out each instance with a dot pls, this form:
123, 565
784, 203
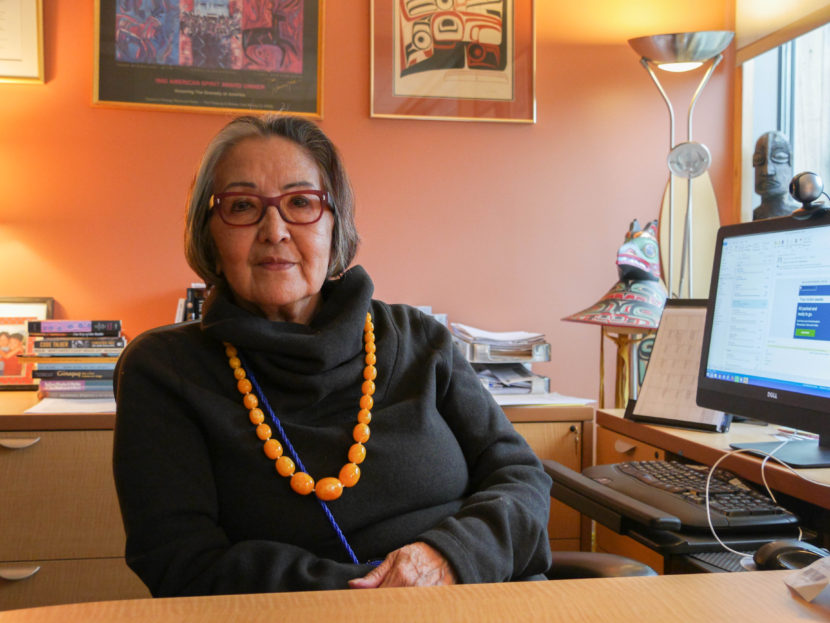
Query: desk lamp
682, 52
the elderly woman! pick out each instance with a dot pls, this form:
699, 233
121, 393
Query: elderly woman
303, 435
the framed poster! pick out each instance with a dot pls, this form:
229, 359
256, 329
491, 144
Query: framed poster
210, 55
21, 41
453, 60
14, 339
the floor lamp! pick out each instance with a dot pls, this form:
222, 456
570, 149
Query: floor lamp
682, 52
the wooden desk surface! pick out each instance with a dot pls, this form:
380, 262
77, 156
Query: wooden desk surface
12, 416
707, 447
14, 403
710, 597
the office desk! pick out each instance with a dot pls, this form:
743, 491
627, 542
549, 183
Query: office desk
760, 596
707, 447
62, 541
619, 439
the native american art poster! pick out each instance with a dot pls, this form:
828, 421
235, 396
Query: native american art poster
453, 59
210, 54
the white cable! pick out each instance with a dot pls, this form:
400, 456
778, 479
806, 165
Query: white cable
767, 456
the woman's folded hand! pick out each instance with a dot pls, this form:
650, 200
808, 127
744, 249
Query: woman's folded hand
417, 564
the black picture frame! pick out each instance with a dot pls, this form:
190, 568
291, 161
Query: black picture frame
260, 55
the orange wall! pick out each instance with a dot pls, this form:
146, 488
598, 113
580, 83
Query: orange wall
501, 226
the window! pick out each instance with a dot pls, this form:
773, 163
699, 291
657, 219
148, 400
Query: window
788, 89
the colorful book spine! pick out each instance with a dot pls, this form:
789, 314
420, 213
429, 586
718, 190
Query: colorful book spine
72, 374
105, 327
76, 334
75, 366
77, 352
74, 385
90, 342
60, 393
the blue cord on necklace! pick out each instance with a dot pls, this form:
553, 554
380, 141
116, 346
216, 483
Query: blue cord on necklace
296, 458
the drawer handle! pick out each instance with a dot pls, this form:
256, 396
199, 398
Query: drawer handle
623, 447
16, 574
15, 443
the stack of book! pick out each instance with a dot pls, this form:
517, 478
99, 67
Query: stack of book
75, 358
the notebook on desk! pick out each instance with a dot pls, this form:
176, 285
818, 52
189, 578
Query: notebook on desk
667, 395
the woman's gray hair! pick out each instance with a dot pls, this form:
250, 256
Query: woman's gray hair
200, 249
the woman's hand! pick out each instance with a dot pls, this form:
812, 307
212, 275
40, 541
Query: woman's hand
417, 564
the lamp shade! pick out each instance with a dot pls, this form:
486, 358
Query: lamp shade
629, 304
637, 299
682, 47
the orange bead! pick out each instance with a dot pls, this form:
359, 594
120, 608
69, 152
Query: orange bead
357, 453
285, 466
368, 387
230, 350
360, 433
256, 416
370, 347
364, 416
272, 449
370, 373
234, 362
349, 474
302, 483
328, 489
263, 431
239, 373
369, 337
244, 385
366, 402
370, 359
250, 401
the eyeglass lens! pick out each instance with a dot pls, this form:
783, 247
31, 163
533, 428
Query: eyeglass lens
301, 207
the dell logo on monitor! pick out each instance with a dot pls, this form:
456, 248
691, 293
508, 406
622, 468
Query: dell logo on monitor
773, 395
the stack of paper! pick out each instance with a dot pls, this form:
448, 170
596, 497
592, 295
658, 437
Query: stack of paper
511, 378
517, 339
502, 361
490, 346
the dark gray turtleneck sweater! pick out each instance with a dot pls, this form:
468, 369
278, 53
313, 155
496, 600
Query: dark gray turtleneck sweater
205, 511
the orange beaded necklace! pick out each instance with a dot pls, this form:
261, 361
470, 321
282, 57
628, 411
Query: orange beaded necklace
329, 488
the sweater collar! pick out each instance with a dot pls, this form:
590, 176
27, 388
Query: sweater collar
334, 336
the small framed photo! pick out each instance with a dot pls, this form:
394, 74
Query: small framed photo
14, 339
21, 41
210, 55
451, 60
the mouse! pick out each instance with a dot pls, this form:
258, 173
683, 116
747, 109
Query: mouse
787, 554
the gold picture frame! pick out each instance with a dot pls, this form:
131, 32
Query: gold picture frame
475, 63
204, 56
21, 41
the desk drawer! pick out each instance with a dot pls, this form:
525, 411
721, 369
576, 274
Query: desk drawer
69, 581
58, 497
616, 448
561, 442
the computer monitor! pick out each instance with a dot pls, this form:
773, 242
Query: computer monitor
766, 343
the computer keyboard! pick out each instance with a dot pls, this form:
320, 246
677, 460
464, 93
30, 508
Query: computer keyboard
679, 489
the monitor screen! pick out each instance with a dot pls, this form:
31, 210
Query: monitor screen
766, 343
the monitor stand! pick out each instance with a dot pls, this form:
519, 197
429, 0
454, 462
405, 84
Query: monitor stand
798, 453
